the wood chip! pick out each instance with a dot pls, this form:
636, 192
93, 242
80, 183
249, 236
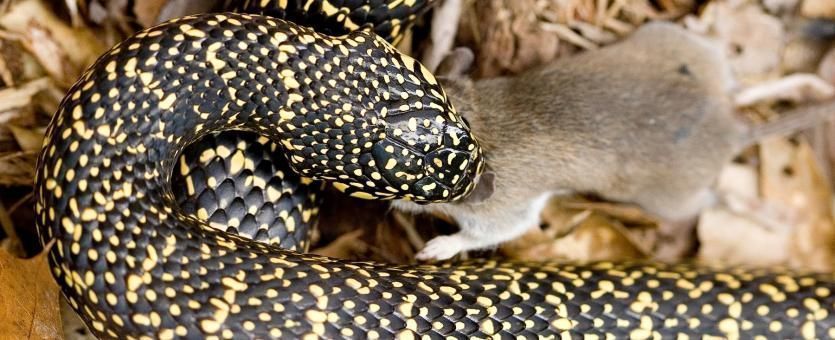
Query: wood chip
62, 49
21, 96
791, 177
797, 88
17, 168
29, 140
565, 33
818, 9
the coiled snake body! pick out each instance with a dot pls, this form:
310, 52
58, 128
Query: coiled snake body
136, 259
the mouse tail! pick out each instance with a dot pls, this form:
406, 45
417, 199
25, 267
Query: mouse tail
791, 121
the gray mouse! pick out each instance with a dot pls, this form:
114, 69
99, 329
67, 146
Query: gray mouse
648, 121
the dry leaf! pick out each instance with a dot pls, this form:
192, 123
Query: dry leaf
721, 230
11, 67
74, 327
803, 55
508, 36
623, 212
442, 37
61, 49
29, 299
790, 224
147, 11
753, 39
791, 177
722, 227
780, 6
178, 8
17, 168
579, 230
818, 9
16, 66
799, 87
346, 246
826, 68
29, 139
595, 238
49, 53
21, 96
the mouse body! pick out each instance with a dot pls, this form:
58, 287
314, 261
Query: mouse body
648, 121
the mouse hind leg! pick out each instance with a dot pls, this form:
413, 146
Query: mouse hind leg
677, 221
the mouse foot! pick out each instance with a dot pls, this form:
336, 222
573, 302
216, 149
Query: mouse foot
676, 239
441, 248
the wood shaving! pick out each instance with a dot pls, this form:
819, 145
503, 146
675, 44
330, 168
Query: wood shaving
818, 9
796, 88
18, 97
62, 49
791, 177
753, 40
17, 168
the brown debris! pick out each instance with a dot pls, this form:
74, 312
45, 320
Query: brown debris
17, 168
510, 36
147, 11
818, 9
28, 299
61, 49
791, 178
581, 230
506, 36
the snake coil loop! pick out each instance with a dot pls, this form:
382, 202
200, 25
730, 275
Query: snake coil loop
134, 260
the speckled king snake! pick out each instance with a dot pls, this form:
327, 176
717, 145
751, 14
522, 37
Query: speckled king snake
137, 259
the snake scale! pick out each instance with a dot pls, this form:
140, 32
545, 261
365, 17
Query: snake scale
139, 257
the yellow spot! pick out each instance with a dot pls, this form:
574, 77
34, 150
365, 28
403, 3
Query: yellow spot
563, 324
89, 214
730, 327
405, 334
167, 102
209, 326
316, 316
340, 186
362, 195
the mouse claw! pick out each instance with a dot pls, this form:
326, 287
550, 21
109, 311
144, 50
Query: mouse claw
441, 248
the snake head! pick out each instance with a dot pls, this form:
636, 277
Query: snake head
383, 128
426, 152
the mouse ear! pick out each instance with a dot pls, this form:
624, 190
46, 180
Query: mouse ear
455, 64
484, 188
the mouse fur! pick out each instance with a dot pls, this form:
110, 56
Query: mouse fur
648, 121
